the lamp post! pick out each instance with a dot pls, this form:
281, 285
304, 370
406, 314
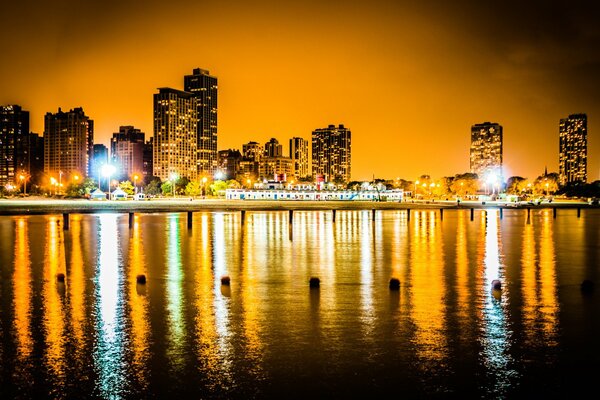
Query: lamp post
204, 187
24, 183
60, 173
107, 171
135, 178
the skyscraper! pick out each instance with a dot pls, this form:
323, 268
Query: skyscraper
299, 156
175, 134
204, 87
486, 150
14, 152
273, 148
68, 144
572, 161
331, 153
127, 152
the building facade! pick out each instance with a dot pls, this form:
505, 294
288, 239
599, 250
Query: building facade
68, 144
273, 148
299, 156
331, 153
204, 87
279, 169
486, 150
127, 152
572, 161
175, 134
229, 163
14, 148
148, 161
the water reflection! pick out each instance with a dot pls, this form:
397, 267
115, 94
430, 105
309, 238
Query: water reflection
108, 355
52, 294
77, 293
138, 303
174, 295
22, 300
496, 338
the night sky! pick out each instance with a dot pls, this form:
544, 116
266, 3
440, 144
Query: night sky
409, 79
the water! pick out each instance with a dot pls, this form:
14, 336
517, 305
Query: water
445, 333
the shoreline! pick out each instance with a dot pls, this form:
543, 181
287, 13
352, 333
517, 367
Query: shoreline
41, 206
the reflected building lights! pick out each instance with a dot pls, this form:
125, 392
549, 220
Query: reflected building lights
174, 294
22, 295
77, 295
108, 355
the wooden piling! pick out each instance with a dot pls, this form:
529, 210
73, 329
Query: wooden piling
131, 220
373, 215
408, 214
66, 221
333, 215
291, 217
472, 213
441, 214
190, 219
501, 212
554, 212
529, 216
243, 217
578, 212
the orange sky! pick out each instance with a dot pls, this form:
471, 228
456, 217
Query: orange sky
408, 80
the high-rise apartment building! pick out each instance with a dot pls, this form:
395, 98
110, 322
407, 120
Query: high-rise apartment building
204, 87
331, 153
127, 152
175, 134
299, 156
486, 150
14, 139
148, 161
229, 163
572, 161
68, 144
253, 151
273, 148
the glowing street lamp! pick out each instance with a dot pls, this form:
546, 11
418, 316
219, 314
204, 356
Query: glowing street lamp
219, 175
107, 171
135, 178
24, 183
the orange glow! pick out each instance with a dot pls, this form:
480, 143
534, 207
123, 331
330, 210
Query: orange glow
22, 290
77, 286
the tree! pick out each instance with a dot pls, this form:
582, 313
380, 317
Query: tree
516, 185
464, 184
194, 189
216, 187
153, 188
74, 190
233, 184
89, 185
127, 187
166, 188
353, 185
546, 184
181, 184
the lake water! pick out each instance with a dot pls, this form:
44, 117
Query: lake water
444, 333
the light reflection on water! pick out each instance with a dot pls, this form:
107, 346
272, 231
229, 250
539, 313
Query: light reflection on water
99, 333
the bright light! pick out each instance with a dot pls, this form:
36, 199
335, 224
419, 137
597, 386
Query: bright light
52, 181
108, 170
219, 175
76, 177
204, 180
173, 176
21, 177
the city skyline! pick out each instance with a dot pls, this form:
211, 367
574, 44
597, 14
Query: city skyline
411, 79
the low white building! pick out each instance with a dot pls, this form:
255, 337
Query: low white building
314, 195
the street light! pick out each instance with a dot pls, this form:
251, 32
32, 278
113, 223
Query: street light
107, 171
24, 183
135, 178
60, 173
204, 179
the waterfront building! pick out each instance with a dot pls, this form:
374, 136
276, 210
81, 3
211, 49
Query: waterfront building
486, 151
331, 153
572, 161
147, 160
175, 134
36, 158
253, 151
14, 149
204, 87
276, 168
68, 145
299, 156
127, 152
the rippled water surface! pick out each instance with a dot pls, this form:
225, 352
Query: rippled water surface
100, 334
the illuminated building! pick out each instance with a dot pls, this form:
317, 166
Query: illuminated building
273, 148
175, 134
229, 163
148, 162
127, 151
299, 156
331, 153
68, 144
486, 150
572, 162
252, 151
14, 152
99, 158
204, 87
276, 168
252, 155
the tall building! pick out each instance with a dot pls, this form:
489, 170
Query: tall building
486, 149
572, 162
253, 151
204, 88
273, 148
331, 153
36, 158
175, 134
68, 144
148, 162
299, 156
14, 151
99, 158
229, 163
127, 152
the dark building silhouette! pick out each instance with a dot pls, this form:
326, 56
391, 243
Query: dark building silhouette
229, 163
331, 153
572, 161
147, 170
99, 158
68, 145
36, 158
14, 144
273, 148
204, 88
